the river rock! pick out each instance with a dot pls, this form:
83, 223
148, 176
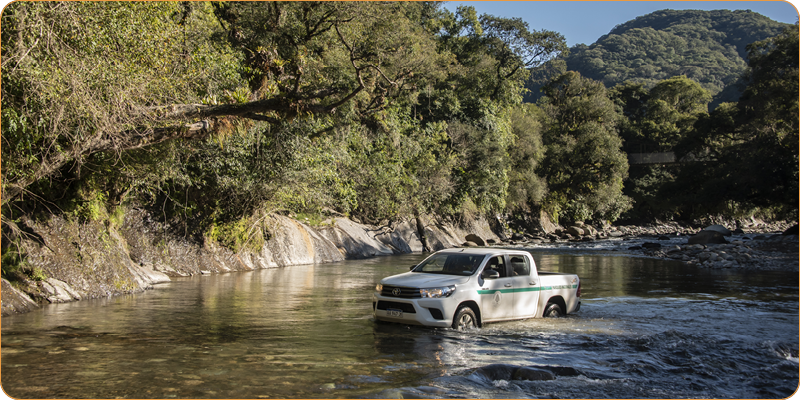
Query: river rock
575, 231
496, 372
707, 237
532, 374
15, 300
56, 291
475, 239
718, 228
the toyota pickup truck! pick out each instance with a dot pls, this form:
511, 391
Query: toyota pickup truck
466, 288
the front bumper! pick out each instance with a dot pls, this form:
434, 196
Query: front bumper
427, 312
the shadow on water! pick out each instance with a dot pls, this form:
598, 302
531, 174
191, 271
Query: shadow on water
647, 329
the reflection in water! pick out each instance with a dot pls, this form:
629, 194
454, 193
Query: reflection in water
647, 328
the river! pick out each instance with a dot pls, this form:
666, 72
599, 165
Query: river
647, 329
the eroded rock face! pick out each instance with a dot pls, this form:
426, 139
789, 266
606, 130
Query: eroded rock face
294, 243
353, 240
401, 237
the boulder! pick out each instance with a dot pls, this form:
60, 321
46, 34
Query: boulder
15, 300
532, 374
506, 372
718, 228
56, 291
708, 237
575, 231
475, 239
792, 231
496, 372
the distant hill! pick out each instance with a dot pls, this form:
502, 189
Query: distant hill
706, 46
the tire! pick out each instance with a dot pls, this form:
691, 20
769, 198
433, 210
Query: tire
465, 319
553, 310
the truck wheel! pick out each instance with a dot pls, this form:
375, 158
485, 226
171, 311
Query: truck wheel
553, 310
465, 319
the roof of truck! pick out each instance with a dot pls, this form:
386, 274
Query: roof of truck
482, 250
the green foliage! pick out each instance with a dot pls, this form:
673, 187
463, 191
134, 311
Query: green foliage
13, 260
752, 147
37, 274
244, 234
739, 160
526, 188
707, 47
584, 165
658, 119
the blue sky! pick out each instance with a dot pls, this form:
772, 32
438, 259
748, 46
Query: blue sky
585, 21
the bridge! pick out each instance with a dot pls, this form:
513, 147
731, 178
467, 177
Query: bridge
652, 158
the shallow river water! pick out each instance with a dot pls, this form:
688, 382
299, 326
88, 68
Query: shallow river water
647, 329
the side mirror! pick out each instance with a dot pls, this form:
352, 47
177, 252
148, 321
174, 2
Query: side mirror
490, 274
413, 266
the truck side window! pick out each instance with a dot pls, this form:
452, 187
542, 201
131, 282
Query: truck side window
497, 264
520, 265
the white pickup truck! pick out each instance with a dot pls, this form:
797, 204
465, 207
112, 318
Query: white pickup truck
465, 288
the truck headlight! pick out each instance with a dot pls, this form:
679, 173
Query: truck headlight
437, 292
379, 287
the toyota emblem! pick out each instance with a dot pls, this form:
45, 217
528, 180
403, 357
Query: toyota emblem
396, 292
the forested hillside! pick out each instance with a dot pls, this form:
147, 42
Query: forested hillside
708, 47
213, 115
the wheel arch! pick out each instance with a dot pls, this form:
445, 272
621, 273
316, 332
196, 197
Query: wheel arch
557, 300
475, 308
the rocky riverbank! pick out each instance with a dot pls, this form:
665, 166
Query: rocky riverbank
746, 245
68, 261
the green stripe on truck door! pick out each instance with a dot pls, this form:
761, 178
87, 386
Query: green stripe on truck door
530, 289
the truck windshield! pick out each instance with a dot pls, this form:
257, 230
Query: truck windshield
451, 264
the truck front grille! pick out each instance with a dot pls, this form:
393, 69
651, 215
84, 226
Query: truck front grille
399, 291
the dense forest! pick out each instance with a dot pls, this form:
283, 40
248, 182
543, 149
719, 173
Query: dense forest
708, 47
214, 114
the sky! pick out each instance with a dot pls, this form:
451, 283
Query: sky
585, 21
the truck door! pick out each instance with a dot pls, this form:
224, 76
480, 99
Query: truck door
497, 295
526, 285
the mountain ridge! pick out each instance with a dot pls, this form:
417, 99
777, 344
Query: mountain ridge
709, 47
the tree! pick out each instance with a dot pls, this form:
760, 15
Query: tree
673, 106
583, 164
526, 189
